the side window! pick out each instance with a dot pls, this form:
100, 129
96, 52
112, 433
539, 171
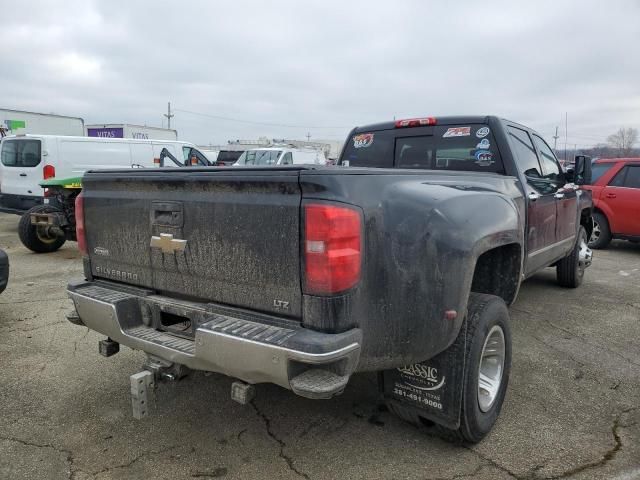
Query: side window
250, 157
618, 179
287, 159
598, 170
632, 179
550, 166
185, 153
272, 157
526, 157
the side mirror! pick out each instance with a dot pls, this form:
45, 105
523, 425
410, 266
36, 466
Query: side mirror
581, 170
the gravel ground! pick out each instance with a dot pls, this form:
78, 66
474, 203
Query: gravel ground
572, 409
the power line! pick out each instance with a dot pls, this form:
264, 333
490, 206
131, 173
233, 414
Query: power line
229, 119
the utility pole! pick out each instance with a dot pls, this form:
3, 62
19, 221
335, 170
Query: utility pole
308, 136
555, 141
566, 128
169, 115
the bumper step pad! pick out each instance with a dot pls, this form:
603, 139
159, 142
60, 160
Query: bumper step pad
318, 383
258, 332
148, 334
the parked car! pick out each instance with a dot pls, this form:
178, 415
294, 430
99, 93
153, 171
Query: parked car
4, 270
616, 200
26, 160
403, 263
273, 156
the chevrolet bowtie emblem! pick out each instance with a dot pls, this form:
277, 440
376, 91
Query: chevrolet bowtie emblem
168, 244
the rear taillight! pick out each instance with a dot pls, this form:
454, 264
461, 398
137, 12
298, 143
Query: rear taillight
80, 233
49, 171
416, 122
332, 248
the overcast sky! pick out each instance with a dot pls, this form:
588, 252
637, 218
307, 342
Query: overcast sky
321, 67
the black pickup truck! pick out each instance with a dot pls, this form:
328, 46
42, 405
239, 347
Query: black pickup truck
402, 260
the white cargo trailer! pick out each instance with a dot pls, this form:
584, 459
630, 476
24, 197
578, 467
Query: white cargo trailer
17, 122
126, 130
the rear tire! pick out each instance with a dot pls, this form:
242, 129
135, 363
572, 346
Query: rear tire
570, 270
601, 235
37, 239
487, 329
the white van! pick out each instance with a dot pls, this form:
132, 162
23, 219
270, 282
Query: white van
282, 156
26, 160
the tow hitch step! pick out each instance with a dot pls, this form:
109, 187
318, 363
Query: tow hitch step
142, 384
242, 392
108, 347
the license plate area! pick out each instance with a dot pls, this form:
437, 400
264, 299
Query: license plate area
174, 318
176, 324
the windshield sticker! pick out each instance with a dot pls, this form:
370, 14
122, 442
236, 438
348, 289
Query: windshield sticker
482, 132
457, 132
484, 144
484, 158
345, 163
363, 140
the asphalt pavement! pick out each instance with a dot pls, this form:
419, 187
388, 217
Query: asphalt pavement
572, 409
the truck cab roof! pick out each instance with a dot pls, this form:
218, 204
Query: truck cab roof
446, 120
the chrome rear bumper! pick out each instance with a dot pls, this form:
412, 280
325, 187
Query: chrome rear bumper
254, 349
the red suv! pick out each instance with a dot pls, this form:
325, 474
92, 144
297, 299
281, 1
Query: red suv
616, 200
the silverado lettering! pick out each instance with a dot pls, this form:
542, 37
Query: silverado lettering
118, 274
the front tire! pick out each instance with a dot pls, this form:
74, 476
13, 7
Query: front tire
487, 369
601, 235
570, 270
39, 239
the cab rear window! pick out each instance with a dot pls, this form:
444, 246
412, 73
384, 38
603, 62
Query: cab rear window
20, 153
445, 147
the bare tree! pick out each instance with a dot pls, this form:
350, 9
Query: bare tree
623, 140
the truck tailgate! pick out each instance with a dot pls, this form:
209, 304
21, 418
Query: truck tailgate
228, 237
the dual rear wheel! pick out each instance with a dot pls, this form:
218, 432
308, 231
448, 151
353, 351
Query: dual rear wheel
486, 373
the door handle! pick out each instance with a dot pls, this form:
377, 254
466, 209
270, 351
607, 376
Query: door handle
533, 196
558, 195
23, 174
611, 195
167, 214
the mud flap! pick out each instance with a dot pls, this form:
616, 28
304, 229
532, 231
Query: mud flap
433, 388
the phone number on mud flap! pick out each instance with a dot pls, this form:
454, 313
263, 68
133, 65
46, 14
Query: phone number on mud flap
417, 398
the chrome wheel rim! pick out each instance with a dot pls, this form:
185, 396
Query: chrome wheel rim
585, 255
595, 234
491, 368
